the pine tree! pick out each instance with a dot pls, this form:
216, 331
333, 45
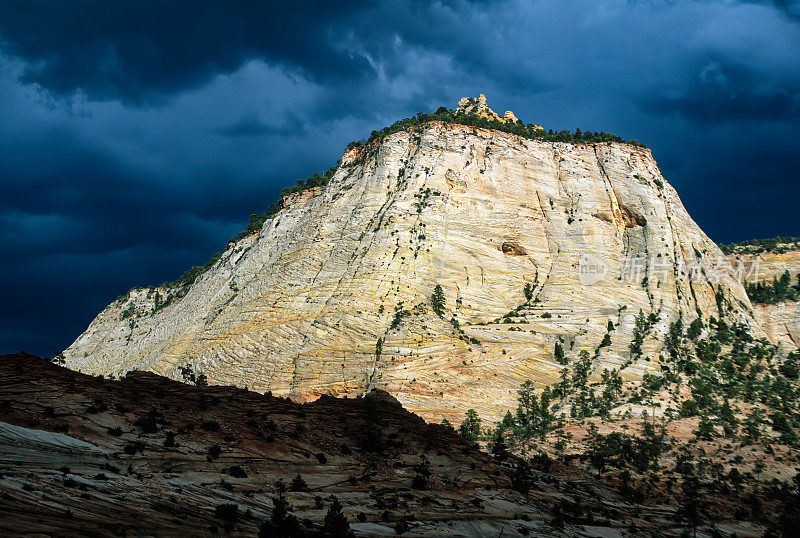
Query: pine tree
691, 502
752, 425
298, 484
674, 338
638, 335
336, 524
790, 368
606, 341
508, 420
705, 429
558, 353
437, 300
695, 329
729, 420
528, 291
282, 523
498, 448
470, 429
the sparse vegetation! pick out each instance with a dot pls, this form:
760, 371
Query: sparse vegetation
558, 354
780, 290
189, 376
282, 523
133, 447
527, 291
210, 425
180, 286
315, 180
149, 423
718, 432
229, 513
236, 471
399, 314
756, 246
622, 450
255, 224
518, 128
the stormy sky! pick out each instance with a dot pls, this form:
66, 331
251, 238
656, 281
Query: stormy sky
137, 136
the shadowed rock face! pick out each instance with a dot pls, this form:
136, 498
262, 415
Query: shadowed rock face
149, 456
299, 307
146, 455
136, 457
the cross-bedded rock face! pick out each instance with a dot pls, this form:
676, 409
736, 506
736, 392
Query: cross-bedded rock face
532, 242
780, 321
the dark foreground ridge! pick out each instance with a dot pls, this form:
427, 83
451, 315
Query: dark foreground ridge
81, 455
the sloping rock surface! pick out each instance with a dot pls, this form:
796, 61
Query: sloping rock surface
148, 456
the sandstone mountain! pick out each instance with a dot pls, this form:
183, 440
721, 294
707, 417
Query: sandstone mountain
534, 242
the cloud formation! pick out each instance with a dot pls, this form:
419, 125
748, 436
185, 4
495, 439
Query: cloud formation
141, 52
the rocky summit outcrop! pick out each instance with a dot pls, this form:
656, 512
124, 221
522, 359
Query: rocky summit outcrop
477, 106
533, 243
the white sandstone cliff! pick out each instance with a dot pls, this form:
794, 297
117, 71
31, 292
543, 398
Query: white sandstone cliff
299, 308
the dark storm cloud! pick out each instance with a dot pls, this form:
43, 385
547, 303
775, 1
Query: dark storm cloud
136, 137
730, 94
790, 8
143, 51
254, 126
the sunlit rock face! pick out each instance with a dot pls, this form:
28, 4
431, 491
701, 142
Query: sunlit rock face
780, 321
595, 231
